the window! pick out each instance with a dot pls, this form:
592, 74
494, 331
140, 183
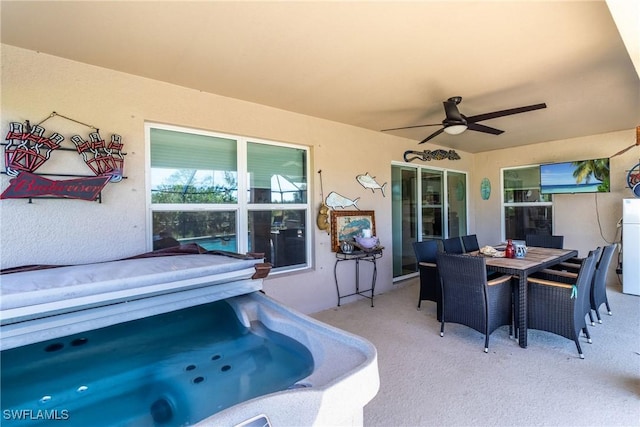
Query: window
428, 203
525, 209
229, 193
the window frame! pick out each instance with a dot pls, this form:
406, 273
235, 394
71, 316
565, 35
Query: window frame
242, 207
504, 205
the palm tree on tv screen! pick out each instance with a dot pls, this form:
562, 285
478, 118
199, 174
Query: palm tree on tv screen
596, 168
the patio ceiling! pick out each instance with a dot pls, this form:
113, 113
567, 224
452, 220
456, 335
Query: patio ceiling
371, 64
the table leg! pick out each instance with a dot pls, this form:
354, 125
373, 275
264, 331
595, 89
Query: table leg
335, 276
373, 279
522, 310
357, 275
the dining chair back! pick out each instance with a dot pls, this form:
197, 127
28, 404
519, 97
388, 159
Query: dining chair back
469, 299
453, 245
561, 308
470, 243
544, 241
599, 284
426, 253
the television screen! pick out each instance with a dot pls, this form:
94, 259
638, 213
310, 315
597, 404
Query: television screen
585, 176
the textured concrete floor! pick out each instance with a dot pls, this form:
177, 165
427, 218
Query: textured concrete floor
428, 380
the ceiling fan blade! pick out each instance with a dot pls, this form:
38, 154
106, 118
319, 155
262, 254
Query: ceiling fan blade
433, 135
411, 127
502, 113
482, 128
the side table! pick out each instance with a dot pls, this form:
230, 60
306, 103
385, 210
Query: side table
357, 256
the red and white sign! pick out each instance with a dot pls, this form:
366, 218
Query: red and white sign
27, 185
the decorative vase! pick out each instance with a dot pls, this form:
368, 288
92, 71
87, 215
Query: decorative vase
509, 251
346, 247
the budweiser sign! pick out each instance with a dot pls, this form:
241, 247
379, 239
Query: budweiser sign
27, 185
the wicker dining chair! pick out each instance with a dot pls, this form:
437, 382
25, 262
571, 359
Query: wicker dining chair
453, 245
470, 243
599, 284
544, 241
469, 299
430, 290
561, 308
567, 272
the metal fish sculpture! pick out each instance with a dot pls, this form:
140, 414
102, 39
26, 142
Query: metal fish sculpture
428, 155
368, 181
335, 200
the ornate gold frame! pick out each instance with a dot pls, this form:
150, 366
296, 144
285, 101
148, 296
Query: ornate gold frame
342, 230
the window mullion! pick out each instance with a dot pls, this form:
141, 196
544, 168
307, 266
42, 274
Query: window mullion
243, 192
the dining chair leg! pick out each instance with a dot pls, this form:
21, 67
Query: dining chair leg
591, 318
442, 328
579, 349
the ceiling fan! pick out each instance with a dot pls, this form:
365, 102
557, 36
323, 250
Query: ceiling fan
456, 123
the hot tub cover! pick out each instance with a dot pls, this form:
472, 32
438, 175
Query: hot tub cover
44, 291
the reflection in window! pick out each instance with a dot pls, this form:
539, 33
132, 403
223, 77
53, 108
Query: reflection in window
432, 203
280, 235
276, 174
526, 210
197, 178
457, 198
422, 209
192, 168
213, 230
522, 220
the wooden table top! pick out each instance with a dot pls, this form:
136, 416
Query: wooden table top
535, 256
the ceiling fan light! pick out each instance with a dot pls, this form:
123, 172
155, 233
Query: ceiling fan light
455, 129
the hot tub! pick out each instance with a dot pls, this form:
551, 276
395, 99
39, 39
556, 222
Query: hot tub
172, 340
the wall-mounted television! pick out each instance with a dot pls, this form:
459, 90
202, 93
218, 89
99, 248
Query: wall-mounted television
584, 176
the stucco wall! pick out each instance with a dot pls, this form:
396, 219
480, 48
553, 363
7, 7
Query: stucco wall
586, 220
71, 231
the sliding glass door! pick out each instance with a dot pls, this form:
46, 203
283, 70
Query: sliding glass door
423, 210
457, 204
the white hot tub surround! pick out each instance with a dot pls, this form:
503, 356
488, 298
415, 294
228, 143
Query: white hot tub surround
45, 304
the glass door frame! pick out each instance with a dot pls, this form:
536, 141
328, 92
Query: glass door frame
418, 203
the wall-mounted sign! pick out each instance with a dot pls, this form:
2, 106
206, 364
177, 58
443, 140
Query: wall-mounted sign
28, 185
27, 149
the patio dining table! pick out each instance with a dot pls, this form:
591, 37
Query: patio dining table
535, 260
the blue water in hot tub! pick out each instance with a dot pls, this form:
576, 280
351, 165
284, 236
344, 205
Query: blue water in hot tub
172, 369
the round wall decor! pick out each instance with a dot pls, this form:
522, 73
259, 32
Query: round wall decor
633, 180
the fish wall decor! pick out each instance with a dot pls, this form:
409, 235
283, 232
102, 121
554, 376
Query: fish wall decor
427, 155
368, 181
335, 200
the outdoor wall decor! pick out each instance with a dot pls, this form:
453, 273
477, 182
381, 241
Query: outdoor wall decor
485, 189
335, 200
633, 179
368, 181
322, 219
428, 155
346, 225
27, 149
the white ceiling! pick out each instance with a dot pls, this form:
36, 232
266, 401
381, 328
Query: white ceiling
371, 64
